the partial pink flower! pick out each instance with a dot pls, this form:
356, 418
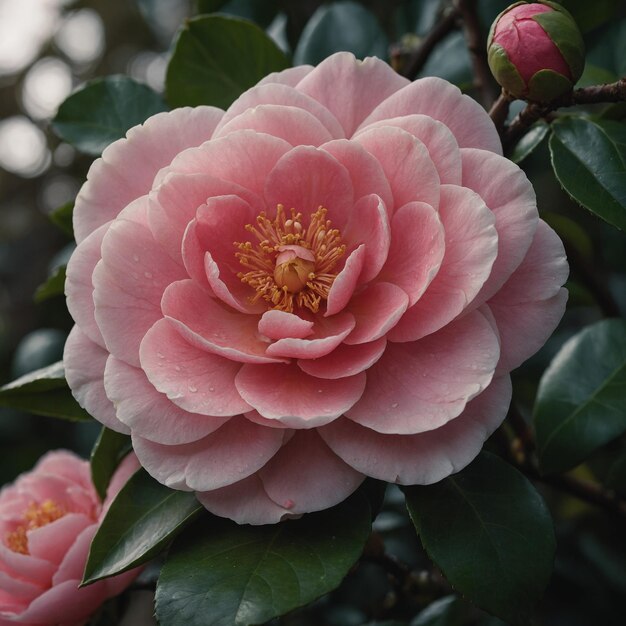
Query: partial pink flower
48, 518
330, 280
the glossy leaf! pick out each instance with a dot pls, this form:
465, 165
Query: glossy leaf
590, 15
62, 217
144, 517
491, 535
54, 286
589, 160
216, 58
261, 12
249, 574
343, 25
529, 142
43, 392
108, 451
103, 110
581, 402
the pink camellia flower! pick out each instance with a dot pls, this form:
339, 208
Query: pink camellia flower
330, 280
48, 518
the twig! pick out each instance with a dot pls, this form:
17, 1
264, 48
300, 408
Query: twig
500, 110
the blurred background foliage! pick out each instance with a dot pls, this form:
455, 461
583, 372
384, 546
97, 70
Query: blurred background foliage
50, 47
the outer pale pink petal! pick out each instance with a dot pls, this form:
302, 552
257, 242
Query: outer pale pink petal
305, 476
290, 77
349, 88
128, 166
442, 101
508, 193
65, 464
307, 178
22, 592
417, 249
276, 324
194, 380
147, 412
369, 225
428, 457
26, 567
345, 360
471, 246
328, 334
297, 400
210, 326
365, 171
406, 163
420, 386
84, 363
285, 95
230, 454
294, 125
52, 541
79, 285
127, 467
245, 502
377, 310
345, 282
531, 303
438, 139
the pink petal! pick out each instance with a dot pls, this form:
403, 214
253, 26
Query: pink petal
194, 380
420, 386
345, 360
377, 310
149, 413
417, 249
84, 363
297, 400
406, 163
26, 567
290, 77
424, 458
328, 334
73, 563
230, 454
64, 464
284, 95
210, 326
22, 592
52, 541
307, 178
471, 246
305, 476
441, 100
127, 468
79, 285
438, 139
349, 88
504, 188
276, 324
294, 125
128, 166
345, 282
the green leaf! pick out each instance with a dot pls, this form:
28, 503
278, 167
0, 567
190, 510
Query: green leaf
54, 286
581, 402
589, 15
343, 25
530, 141
222, 574
447, 611
491, 534
107, 453
589, 160
144, 517
43, 392
216, 58
62, 217
103, 110
261, 12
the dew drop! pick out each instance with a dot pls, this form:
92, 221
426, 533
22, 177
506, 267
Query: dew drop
394, 405
288, 504
148, 274
177, 368
193, 389
211, 389
319, 391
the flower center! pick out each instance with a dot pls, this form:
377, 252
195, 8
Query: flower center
291, 265
35, 516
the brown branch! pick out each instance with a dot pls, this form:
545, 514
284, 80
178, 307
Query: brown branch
500, 110
613, 92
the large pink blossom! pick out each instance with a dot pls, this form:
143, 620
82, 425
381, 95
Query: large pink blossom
330, 280
48, 518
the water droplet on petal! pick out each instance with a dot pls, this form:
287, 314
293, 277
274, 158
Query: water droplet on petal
288, 504
148, 274
394, 405
193, 389
211, 389
177, 368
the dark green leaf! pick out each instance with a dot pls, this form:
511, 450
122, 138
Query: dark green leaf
343, 25
581, 402
103, 110
144, 517
107, 453
616, 478
447, 611
589, 15
222, 574
261, 12
450, 60
527, 144
62, 217
589, 161
54, 286
43, 392
490, 533
216, 58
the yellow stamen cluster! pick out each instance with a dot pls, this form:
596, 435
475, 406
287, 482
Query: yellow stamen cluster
300, 281
35, 516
